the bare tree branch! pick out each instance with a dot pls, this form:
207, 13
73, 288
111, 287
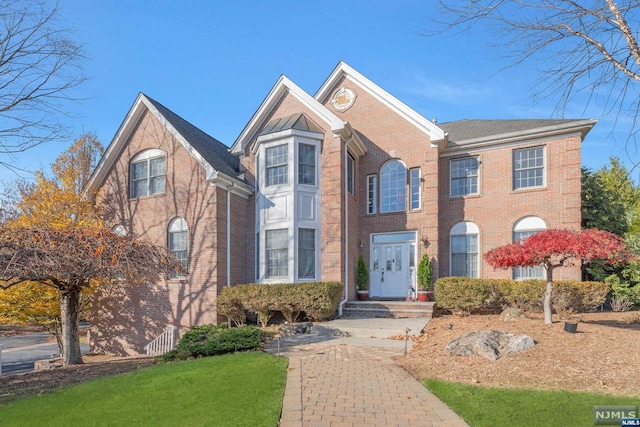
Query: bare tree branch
39, 67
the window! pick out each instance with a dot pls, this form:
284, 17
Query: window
464, 249
393, 177
277, 253
414, 176
258, 256
306, 164
350, 174
178, 243
306, 253
528, 168
148, 173
372, 193
276, 165
464, 176
522, 229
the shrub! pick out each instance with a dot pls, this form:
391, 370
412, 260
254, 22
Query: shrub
362, 275
318, 300
527, 295
210, 340
623, 296
424, 273
461, 294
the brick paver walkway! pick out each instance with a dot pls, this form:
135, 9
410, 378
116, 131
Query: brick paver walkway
331, 384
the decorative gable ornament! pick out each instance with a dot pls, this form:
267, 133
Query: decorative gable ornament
343, 99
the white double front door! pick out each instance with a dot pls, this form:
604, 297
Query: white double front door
389, 273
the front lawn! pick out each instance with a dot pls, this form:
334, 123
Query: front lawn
242, 389
483, 406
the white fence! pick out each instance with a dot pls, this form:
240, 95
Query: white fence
163, 343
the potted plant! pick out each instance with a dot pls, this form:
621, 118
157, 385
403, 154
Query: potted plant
424, 278
362, 280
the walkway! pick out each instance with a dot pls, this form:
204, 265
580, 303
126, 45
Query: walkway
343, 374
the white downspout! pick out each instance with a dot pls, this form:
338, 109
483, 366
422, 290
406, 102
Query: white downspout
228, 237
346, 236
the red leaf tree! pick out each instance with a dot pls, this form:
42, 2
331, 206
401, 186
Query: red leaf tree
72, 260
557, 248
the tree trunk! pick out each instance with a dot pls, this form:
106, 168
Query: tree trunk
547, 296
69, 309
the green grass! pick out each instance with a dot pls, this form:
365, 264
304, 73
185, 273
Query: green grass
482, 406
243, 389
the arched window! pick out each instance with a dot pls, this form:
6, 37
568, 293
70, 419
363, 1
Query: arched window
178, 242
147, 173
464, 249
393, 187
522, 229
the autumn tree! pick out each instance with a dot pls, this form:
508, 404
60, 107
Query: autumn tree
555, 248
39, 67
71, 260
579, 49
54, 201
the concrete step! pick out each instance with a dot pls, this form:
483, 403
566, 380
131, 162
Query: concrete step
389, 309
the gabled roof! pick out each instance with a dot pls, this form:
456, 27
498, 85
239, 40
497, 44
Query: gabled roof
210, 153
283, 86
213, 151
479, 132
343, 70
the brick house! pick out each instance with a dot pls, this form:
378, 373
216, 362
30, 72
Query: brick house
314, 181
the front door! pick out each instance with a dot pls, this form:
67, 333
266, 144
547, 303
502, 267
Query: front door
389, 270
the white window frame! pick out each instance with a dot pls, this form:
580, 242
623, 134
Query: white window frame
154, 184
468, 231
303, 167
281, 252
415, 186
372, 193
281, 164
306, 254
522, 229
470, 180
178, 227
518, 181
393, 185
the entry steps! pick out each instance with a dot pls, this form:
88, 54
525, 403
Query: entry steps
390, 309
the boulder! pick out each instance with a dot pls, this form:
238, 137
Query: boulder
511, 314
490, 344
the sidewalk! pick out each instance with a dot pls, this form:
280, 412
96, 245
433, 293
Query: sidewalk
343, 374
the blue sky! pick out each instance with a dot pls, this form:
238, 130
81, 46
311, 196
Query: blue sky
213, 62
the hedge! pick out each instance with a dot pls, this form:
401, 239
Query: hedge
318, 300
464, 295
210, 340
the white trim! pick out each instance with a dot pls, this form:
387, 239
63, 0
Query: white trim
529, 223
342, 69
463, 228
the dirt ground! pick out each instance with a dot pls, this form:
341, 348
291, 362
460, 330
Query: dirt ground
19, 386
602, 357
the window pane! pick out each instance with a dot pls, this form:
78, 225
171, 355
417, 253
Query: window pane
306, 164
527, 272
464, 176
306, 253
277, 253
464, 255
372, 189
277, 170
528, 167
178, 244
393, 187
388, 258
350, 174
415, 188
156, 175
375, 258
139, 181
398, 258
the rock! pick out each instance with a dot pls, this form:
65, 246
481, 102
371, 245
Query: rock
288, 329
511, 314
489, 344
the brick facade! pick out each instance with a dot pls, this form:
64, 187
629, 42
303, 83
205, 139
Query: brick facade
220, 208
